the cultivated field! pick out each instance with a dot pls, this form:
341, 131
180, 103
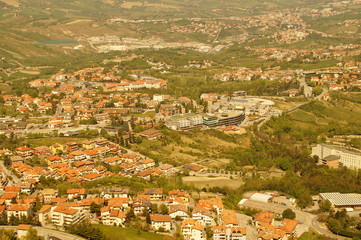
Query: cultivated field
208, 182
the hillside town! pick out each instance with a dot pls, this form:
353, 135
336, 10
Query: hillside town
180, 120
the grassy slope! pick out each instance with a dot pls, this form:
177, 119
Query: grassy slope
317, 119
45, 20
52, 140
185, 147
118, 233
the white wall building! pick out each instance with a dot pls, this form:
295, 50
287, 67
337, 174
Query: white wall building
66, 216
348, 158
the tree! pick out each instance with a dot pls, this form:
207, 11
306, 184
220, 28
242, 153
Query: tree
13, 221
86, 230
94, 208
161, 229
163, 209
154, 208
325, 205
147, 218
104, 133
130, 215
288, 213
7, 234
38, 205
7, 161
33, 235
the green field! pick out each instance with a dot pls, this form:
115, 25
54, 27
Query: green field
192, 146
316, 119
50, 141
118, 233
209, 182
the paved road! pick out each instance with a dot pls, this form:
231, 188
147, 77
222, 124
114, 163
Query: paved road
307, 219
60, 130
324, 92
15, 180
324, 230
45, 232
307, 90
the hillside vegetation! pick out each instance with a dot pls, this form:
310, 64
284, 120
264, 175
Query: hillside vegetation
316, 120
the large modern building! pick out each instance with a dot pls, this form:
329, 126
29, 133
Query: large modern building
191, 120
228, 118
343, 200
347, 158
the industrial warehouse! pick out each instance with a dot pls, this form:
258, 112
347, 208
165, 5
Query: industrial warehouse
343, 200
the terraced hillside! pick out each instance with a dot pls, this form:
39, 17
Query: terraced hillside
25, 22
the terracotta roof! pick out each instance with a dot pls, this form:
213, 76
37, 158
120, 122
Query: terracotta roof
229, 217
160, 218
66, 210
152, 191
264, 217
12, 189
19, 207
289, 225
9, 195
24, 227
117, 202
177, 207
92, 175
76, 191
69, 204
44, 208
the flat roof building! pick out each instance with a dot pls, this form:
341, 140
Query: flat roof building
348, 158
343, 200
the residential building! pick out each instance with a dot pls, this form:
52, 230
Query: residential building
44, 214
233, 233
263, 218
156, 194
178, 211
161, 222
76, 193
203, 216
192, 230
49, 194
63, 216
18, 210
108, 193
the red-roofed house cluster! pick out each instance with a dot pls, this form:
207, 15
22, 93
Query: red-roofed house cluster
85, 161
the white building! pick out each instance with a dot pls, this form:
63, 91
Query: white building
348, 158
112, 217
158, 97
18, 210
66, 216
192, 230
182, 123
203, 216
224, 233
195, 120
44, 214
161, 221
178, 210
260, 197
